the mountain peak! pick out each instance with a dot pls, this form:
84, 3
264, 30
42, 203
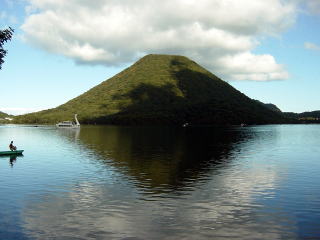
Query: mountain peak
161, 89
154, 56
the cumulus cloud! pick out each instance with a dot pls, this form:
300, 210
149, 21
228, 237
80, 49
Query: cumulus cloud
313, 6
220, 35
311, 46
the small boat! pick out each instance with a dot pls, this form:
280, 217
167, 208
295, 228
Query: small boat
69, 124
15, 152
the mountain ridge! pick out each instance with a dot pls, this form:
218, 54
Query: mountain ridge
4, 115
305, 117
160, 89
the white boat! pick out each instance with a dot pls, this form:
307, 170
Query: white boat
69, 124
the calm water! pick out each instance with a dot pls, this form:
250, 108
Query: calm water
161, 183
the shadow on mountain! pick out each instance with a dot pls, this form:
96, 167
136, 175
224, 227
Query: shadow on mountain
191, 96
149, 104
163, 159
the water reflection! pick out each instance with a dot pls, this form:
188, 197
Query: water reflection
199, 188
164, 183
12, 159
164, 159
72, 134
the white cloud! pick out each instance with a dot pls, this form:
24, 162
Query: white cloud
313, 6
311, 46
242, 64
211, 32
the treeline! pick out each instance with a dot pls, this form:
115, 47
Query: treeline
305, 117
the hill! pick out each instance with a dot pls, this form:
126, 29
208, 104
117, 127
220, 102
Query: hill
305, 117
270, 106
161, 89
4, 115
313, 114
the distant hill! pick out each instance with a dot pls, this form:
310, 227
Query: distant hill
4, 115
305, 117
161, 89
313, 114
270, 106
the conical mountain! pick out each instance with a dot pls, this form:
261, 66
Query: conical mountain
161, 89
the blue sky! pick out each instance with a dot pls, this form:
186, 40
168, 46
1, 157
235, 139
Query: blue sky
299, 92
63, 48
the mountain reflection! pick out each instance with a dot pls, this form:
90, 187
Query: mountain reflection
168, 163
166, 158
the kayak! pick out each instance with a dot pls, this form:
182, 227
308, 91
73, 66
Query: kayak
16, 152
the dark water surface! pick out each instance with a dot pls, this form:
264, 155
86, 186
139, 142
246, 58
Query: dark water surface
165, 183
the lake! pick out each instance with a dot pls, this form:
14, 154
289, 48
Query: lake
166, 183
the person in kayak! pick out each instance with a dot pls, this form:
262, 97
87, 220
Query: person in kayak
12, 148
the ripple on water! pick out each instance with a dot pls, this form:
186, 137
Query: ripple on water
131, 183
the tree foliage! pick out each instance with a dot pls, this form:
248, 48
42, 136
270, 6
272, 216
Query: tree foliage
3, 115
5, 35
